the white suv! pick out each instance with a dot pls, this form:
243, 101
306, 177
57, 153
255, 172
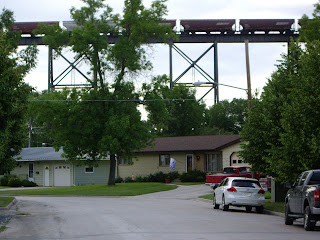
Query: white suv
240, 192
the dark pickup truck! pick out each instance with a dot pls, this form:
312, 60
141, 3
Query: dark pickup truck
303, 200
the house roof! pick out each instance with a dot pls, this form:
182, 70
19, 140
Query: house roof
164, 144
192, 143
40, 154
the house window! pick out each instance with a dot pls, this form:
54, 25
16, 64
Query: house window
31, 170
237, 161
124, 161
213, 163
89, 170
164, 160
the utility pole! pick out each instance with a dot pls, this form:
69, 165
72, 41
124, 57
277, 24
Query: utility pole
248, 73
30, 130
170, 64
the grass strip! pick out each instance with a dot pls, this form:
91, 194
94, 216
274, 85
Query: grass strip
274, 206
120, 189
5, 201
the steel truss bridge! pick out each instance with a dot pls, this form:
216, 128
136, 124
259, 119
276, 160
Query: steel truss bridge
212, 31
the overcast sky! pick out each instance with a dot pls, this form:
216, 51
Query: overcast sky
232, 68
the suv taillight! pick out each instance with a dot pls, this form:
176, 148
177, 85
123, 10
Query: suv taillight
317, 195
232, 189
261, 191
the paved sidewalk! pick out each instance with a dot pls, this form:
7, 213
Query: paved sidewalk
22, 188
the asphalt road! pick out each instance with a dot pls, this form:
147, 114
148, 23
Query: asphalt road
176, 214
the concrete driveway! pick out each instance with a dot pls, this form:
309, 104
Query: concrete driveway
176, 214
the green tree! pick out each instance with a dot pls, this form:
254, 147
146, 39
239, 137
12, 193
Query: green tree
92, 125
263, 127
173, 112
14, 65
228, 116
310, 30
118, 129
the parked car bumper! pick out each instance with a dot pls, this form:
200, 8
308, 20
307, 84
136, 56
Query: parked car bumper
245, 202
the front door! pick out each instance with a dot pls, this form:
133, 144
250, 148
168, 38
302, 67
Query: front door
46, 176
189, 163
31, 172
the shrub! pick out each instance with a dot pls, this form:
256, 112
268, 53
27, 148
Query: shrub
119, 180
128, 180
4, 180
173, 175
160, 177
193, 176
142, 179
27, 183
14, 182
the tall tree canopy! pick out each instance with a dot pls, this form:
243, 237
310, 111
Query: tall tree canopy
227, 116
173, 112
283, 130
14, 66
105, 119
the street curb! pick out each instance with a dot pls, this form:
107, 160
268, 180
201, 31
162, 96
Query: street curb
274, 213
9, 205
269, 212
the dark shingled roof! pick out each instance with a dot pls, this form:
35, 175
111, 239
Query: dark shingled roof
164, 144
192, 143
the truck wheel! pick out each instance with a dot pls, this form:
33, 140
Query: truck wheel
287, 219
225, 207
308, 222
215, 205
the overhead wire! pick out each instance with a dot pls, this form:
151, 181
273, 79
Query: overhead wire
109, 100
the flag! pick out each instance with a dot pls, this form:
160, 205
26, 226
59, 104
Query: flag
172, 164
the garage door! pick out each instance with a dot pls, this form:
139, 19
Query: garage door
61, 175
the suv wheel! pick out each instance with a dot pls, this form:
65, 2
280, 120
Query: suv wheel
215, 205
287, 219
248, 208
225, 207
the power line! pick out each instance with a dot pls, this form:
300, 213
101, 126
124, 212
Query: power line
108, 100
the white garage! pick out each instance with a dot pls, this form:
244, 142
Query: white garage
61, 175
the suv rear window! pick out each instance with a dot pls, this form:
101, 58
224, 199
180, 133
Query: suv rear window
246, 183
315, 179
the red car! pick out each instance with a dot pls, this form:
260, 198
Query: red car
228, 172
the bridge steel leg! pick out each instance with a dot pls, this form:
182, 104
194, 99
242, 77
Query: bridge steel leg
216, 73
193, 64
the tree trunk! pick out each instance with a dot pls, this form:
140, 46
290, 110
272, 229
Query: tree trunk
112, 173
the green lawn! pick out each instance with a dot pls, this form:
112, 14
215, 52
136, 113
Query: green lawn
4, 201
121, 189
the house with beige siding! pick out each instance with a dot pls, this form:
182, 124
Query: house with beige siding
210, 154
205, 153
